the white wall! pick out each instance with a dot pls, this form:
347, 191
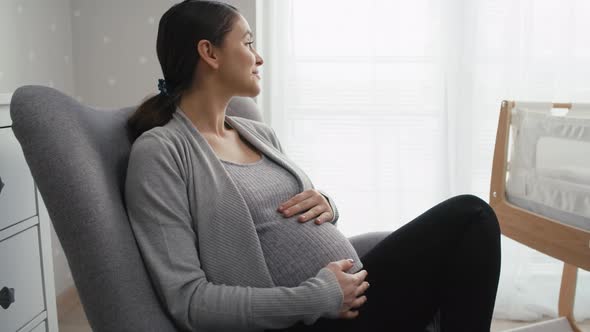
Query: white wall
101, 52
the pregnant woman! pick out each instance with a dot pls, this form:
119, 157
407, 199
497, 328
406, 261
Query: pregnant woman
236, 238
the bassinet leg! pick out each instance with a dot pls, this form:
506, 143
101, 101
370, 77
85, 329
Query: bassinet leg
567, 294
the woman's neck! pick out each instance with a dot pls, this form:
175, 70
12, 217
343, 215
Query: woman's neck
207, 111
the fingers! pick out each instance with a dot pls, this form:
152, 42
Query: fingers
359, 302
360, 276
348, 312
302, 205
362, 288
353, 286
304, 201
295, 199
351, 314
314, 212
343, 264
311, 203
324, 217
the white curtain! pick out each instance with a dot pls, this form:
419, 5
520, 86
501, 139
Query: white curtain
392, 107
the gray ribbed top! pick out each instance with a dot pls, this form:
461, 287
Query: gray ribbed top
293, 251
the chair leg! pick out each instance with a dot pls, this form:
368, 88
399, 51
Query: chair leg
567, 294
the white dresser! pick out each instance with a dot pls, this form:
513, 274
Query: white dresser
27, 289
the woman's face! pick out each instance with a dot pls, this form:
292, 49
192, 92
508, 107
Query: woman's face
240, 61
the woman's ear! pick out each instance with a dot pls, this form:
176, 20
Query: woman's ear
208, 53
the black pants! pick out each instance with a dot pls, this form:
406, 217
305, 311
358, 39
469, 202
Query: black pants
448, 258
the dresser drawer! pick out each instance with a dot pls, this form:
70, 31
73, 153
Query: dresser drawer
17, 197
21, 270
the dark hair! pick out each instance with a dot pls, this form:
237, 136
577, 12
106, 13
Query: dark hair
179, 30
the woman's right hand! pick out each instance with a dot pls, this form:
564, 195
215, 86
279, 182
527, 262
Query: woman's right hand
352, 285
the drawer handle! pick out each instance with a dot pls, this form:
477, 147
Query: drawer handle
1, 184
6, 297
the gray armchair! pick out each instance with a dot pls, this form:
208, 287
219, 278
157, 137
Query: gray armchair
78, 158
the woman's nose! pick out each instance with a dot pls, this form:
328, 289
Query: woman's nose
259, 60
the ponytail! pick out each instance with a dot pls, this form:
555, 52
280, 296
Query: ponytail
155, 111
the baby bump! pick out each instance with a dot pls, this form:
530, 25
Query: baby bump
296, 251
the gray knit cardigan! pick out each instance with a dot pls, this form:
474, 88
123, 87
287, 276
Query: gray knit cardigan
198, 240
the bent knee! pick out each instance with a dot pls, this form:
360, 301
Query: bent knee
480, 209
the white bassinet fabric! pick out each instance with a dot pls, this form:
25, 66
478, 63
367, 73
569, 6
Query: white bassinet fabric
561, 191
579, 111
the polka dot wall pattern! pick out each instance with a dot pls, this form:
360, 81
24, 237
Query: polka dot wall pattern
115, 52
114, 47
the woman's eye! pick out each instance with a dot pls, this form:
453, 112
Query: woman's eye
250, 43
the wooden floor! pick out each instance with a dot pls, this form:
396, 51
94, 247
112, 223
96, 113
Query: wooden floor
72, 318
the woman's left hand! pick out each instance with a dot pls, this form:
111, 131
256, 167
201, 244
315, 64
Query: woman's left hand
312, 203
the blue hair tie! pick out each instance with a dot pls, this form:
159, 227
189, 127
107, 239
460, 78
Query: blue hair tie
163, 87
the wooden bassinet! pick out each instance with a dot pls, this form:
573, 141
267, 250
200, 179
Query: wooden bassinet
553, 237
